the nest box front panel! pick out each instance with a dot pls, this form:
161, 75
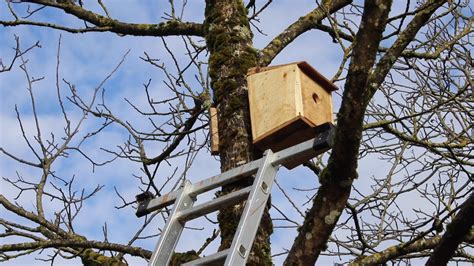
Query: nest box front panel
274, 99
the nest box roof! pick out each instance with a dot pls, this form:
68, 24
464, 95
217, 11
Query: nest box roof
306, 68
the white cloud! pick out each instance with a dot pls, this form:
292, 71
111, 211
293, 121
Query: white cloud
85, 60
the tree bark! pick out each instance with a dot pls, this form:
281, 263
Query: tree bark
229, 41
336, 179
455, 233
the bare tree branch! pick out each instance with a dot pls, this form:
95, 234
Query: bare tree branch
303, 24
172, 27
456, 231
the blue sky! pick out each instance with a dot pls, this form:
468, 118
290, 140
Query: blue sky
85, 60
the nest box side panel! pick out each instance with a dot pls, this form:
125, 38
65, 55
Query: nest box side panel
272, 99
317, 101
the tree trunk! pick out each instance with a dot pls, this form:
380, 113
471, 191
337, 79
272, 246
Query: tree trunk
336, 179
229, 41
456, 231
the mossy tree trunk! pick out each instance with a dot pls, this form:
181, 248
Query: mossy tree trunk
229, 41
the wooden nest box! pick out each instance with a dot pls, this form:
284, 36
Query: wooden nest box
286, 103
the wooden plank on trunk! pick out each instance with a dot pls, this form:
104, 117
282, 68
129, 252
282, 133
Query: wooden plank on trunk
213, 124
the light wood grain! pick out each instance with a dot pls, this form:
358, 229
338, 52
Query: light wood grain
272, 99
213, 125
286, 102
317, 102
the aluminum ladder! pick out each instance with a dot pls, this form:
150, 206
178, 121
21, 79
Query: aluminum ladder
264, 170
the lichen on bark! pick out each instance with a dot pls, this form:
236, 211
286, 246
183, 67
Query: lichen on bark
180, 258
92, 258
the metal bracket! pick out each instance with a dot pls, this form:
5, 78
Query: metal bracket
143, 199
324, 136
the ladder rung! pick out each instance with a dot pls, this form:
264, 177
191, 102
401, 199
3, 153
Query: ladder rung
214, 205
213, 259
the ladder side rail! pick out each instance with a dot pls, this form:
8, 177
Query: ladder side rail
318, 145
225, 178
200, 187
252, 214
173, 228
290, 153
155, 204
